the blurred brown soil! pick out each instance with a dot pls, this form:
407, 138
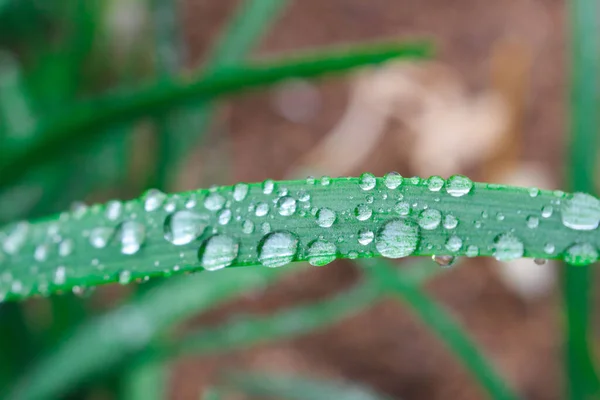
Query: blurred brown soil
385, 346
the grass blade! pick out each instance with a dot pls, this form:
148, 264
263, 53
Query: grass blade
582, 377
64, 131
442, 325
275, 223
105, 342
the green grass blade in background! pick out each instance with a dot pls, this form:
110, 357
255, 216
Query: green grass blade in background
145, 382
105, 342
440, 322
582, 378
274, 223
63, 132
277, 386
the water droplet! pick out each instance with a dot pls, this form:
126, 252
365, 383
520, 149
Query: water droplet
100, 236
153, 199
435, 183
533, 192
549, 248
78, 209
499, 217
170, 205
131, 236
397, 238
268, 186
16, 238
430, 219
581, 212
125, 277
547, 211
581, 254
66, 247
472, 251
367, 181
310, 180
224, 216
240, 191
363, 212
191, 202
286, 206
214, 202
365, 236
325, 217
182, 227
277, 249
369, 198
325, 181
321, 252
113, 210
60, 275
248, 227
303, 196
450, 221
392, 180
444, 261
540, 261
219, 251
402, 208
265, 228
415, 180
507, 247
262, 209
458, 185
533, 221
41, 252
454, 243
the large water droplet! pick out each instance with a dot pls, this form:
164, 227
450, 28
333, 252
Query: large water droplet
365, 236
240, 191
367, 181
454, 243
286, 206
430, 219
182, 227
100, 236
219, 251
262, 209
214, 202
458, 185
392, 180
16, 238
277, 249
321, 252
581, 254
363, 212
450, 221
153, 199
581, 212
397, 238
113, 210
507, 247
325, 217
435, 183
131, 236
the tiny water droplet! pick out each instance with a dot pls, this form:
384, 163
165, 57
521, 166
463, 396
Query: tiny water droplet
303, 196
16, 238
507, 247
224, 216
214, 202
450, 221
325, 181
153, 199
458, 185
182, 227
430, 219
581, 254
454, 243
78, 209
125, 277
131, 236
533, 192
472, 251
321, 253
265, 228
286, 206
66, 247
363, 212
240, 191
549, 248
60, 275
268, 186
248, 227
397, 238
532, 221
41, 252
325, 217
219, 251
547, 211
277, 249
392, 180
540, 261
114, 209
99, 237
365, 236
581, 212
435, 183
367, 181
444, 261
261, 210
310, 180
499, 217
402, 208
369, 198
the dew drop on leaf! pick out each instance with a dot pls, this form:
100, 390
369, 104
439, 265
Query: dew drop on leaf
219, 251
454, 243
397, 238
363, 212
365, 236
303, 196
450, 221
581, 212
402, 208
182, 227
581, 254
547, 211
125, 277
66, 247
325, 217
268, 186
367, 181
458, 185
261, 210
248, 227
214, 202
100, 236
321, 252
507, 247
240, 191
114, 208
435, 183
443, 261
16, 238
131, 236
430, 219
265, 228
277, 249
60, 275
472, 251
392, 180
286, 206
549, 248
224, 216
533, 221
153, 199
41, 252
533, 192
325, 181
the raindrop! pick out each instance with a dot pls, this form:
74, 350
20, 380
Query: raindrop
262, 209
219, 251
277, 249
153, 199
533, 221
435, 183
248, 227
499, 217
16, 238
310, 180
214, 202
60, 275
131, 235
325, 181
392, 180
286, 206
507, 247
369, 198
268, 186
549, 248
41, 252
325, 217
265, 228
397, 238
182, 227
454, 243
444, 261
367, 181
240, 191
321, 252
125, 277
540, 261
78, 209
533, 192
450, 221
100, 236
581, 212
365, 236
402, 208
472, 251
66, 247
303, 196
363, 212
430, 219
581, 254
547, 212
224, 216
458, 185
113, 210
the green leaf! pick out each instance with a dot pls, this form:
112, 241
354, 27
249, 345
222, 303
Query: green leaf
145, 382
64, 131
105, 342
277, 386
582, 377
448, 330
274, 223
